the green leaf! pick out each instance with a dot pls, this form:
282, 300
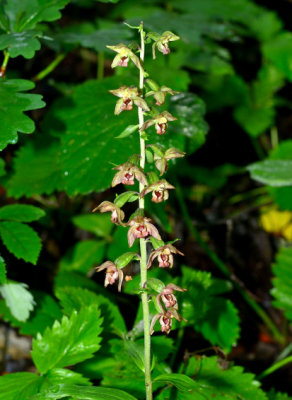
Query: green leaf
136, 353
21, 213
125, 197
272, 172
123, 260
18, 299
180, 381
89, 147
21, 240
279, 50
37, 169
83, 393
2, 271
99, 224
26, 14
231, 383
72, 298
272, 395
58, 376
12, 105
128, 131
215, 317
282, 282
69, 342
21, 44
11, 385
76, 279
83, 256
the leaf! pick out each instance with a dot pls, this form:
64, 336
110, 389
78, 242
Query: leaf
180, 381
99, 224
232, 383
21, 43
125, 197
13, 384
37, 169
272, 395
69, 341
136, 353
124, 259
72, 298
282, 282
83, 256
89, 146
83, 393
2, 271
21, 213
76, 279
21, 240
59, 375
272, 172
12, 105
278, 50
128, 131
26, 14
215, 317
18, 299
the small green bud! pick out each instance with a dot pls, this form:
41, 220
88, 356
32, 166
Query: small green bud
123, 260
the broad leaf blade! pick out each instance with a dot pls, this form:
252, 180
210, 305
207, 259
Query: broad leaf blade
21, 44
21, 240
21, 213
11, 385
272, 172
68, 342
12, 105
18, 299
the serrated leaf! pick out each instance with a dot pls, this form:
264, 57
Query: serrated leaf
12, 105
21, 240
272, 172
18, 299
72, 298
83, 256
26, 14
21, 213
272, 395
231, 384
83, 393
215, 317
99, 224
21, 43
68, 342
11, 385
282, 290
37, 169
58, 376
2, 271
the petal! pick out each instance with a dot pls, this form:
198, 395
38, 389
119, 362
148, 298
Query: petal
117, 178
153, 322
121, 277
152, 257
153, 231
139, 102
131, 236
105, 265
119, 106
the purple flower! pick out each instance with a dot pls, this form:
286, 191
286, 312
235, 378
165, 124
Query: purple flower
160, 121
140, 227
164, 256
117, 214
127, 173
112, 274
159, 191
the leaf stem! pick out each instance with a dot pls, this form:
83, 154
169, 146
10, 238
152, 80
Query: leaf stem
4, 64
274, 367
143, 250
50, 68
223, 268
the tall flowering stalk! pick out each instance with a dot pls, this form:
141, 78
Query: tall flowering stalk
139, 226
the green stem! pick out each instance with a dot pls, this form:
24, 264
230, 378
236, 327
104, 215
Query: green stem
50, 68
143, 250
100, 65
274, 137
223, 268
274, 367
4, 64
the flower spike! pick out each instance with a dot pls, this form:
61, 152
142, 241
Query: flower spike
127, 173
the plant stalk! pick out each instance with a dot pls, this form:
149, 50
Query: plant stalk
143, 250
223, 268
4, 64
275, 366
50, 68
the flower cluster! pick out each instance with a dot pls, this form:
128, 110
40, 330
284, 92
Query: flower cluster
139, 226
